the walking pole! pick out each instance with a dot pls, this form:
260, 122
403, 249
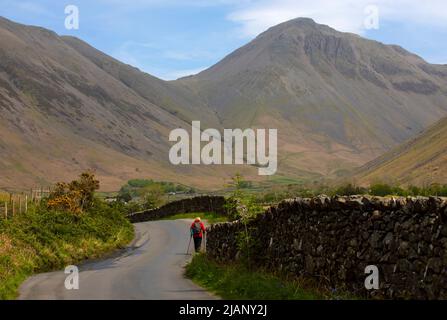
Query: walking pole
187, 250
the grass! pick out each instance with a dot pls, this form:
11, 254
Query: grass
4, 196
211, 217
42, 240
235, 281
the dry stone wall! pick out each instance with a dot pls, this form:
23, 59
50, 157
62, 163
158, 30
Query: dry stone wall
333, 239
214, 204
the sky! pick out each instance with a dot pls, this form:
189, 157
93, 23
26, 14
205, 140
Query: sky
174, 38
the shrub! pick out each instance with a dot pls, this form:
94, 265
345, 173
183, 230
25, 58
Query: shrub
124, 196
42, 240
153, 197
76, 196
381, 190
349, 190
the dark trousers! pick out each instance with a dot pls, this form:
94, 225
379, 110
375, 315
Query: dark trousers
197, 244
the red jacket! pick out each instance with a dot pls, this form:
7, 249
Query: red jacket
202, 230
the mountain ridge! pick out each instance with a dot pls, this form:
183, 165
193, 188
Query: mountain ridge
84, 118
337, 99
356, 96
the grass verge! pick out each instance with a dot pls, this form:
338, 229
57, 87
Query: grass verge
211, 217
235, 281
43, 240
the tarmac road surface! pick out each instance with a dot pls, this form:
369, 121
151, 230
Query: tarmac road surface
150, 268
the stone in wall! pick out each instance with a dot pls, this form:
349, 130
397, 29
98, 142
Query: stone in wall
333, 239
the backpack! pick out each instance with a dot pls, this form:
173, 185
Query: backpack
196, 229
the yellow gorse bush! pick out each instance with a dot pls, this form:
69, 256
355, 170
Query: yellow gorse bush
75, 196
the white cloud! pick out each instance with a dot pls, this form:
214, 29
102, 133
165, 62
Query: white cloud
170, 3
140, 55
32, 7
173, 75
185, 56
129, 53
27, 7
344, 15
255, 16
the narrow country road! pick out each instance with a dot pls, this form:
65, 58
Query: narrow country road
151, 268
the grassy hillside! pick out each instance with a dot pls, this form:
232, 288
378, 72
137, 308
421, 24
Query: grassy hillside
337, 100
69, 226
66, 107
420, 161
43, 240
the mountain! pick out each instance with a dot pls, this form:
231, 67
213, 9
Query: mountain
66, 107
337, 100
419, 161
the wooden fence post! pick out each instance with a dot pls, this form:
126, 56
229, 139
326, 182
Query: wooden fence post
20, 205
26, 203
13, 208
6, 210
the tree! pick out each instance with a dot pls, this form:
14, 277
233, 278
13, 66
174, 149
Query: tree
153, 196
124, 196
240, 204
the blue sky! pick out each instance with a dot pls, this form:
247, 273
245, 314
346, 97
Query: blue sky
174, 38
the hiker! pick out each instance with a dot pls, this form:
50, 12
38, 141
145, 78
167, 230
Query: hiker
197, 230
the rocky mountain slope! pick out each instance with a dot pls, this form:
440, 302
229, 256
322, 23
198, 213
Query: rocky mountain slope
337, 100
66, 107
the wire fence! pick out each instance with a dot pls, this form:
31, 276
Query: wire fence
14, 203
